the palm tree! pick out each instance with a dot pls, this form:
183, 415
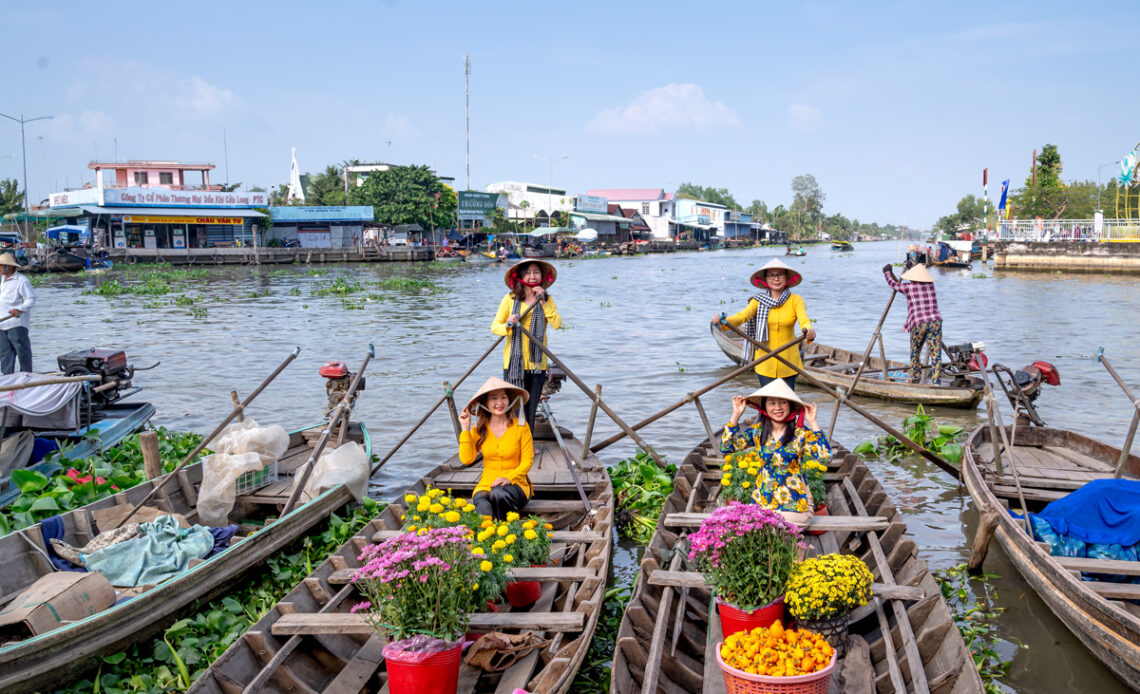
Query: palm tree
526, 218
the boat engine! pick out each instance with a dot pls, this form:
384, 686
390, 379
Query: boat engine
1023, 386
966, 357
338, 379
111, 364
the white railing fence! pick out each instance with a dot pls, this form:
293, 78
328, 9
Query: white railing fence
1069, 230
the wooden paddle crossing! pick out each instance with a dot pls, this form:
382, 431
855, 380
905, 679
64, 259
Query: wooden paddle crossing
311, 642
903, 640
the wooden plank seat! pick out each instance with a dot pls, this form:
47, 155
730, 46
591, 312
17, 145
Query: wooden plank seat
301, 623
838, 523
1100, 566
694, 579
543, 574
1031, 494
566, 536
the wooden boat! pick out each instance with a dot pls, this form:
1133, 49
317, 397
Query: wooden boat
836, 367
312, 643
661, 648
1101, 615
841, 246
56, 656
113, 423
798, 252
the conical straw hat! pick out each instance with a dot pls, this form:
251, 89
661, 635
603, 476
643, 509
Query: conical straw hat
778, 388
549, 274
492, 384
794, 277
9, 259
918, 273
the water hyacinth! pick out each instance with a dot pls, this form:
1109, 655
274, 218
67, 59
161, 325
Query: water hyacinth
419, 583
746, 553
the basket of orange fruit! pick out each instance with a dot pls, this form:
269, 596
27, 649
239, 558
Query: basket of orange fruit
775, 660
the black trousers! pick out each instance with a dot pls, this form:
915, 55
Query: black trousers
532, 383
500, 501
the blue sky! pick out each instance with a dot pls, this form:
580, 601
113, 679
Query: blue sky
895, 108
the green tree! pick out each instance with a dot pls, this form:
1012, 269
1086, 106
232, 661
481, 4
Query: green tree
718, 196
807, 204
1044, 193
759, 211
407, 195
230, 187
11, 198
969, 215
325, 188
280, 196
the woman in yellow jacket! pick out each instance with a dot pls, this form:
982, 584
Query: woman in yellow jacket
771, 316
506, 445
524, 364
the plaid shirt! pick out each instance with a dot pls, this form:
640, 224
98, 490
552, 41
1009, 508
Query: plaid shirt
921, 302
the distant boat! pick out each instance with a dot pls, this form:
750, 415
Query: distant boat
796, 252
841, 246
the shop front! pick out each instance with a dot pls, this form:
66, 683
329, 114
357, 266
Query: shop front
171, 228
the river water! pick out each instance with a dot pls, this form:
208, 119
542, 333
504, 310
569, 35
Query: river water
637, 325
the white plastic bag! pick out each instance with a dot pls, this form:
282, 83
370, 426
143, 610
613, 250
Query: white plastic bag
347, 465
241, 447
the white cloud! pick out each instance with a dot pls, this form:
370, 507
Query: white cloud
803, 117
664, 108
96, 123
398, 125
203, 98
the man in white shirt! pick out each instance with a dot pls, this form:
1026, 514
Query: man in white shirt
16, 299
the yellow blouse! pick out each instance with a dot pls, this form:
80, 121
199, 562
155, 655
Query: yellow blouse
508, 456
781, 329
499, 327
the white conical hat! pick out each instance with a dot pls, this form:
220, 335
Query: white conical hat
493, 384
778, 388
794, 277
918, 273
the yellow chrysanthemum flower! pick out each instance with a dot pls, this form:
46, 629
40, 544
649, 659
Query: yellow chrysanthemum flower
469, 508
486, 566
726, 480
446, 500
512, 516
478, 551
411, 528
452, 516
549, 526
508, 558
503, 530
530, 535
411, 498
745, 485
498, 544
510, 539
435, 508
727, 467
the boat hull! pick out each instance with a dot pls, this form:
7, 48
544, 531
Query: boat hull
1108, 630
57, 656
870, 385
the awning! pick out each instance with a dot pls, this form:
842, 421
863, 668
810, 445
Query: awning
595, 217
173, 211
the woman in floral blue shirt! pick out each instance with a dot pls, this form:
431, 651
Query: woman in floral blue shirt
763, 461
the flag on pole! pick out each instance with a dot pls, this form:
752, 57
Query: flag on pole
1004, 191
985, 177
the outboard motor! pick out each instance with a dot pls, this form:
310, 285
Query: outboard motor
111, 364
339, 378
1023, 387
966, 357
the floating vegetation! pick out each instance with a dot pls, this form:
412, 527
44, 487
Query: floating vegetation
406, 283
341, 286
295, 291
350, 305
182, 300
198, 312
974, 617
258, 295
640, 489
979, 276
921, 429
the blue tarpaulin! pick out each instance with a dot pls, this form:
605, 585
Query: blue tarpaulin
1101, 512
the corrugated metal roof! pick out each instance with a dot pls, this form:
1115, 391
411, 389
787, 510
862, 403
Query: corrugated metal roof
629, 194
596, 217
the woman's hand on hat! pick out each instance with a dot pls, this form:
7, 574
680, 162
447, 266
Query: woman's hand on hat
738, 405
465, 420
500, 482
810, 410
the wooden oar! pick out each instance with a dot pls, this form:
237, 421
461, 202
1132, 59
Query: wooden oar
594, 397
544, 406
902, 438
343, 408
237, 410
863, 364
994, 416
52, 382
1135, 415
443, 399
692, 397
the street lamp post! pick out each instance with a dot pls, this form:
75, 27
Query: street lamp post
1098, 170
550, 183
24, 158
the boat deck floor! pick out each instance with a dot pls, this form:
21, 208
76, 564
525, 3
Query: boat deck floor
1046, 473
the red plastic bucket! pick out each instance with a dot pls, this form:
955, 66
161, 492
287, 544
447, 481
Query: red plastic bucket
734, 619
821, 511
522, 593
436, 674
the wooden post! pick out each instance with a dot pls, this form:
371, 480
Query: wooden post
1127, 445
450, 395
593, 416
152, 462
705, 421
1135, 415
884, 375
986, 524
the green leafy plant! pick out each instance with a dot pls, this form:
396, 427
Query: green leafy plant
641, 489
89, 479
340, 286
974, 616
921, 429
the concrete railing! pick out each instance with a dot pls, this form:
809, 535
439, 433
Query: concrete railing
1069, 230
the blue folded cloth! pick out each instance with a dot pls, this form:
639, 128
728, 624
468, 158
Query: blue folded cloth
1101, 512
52, 528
